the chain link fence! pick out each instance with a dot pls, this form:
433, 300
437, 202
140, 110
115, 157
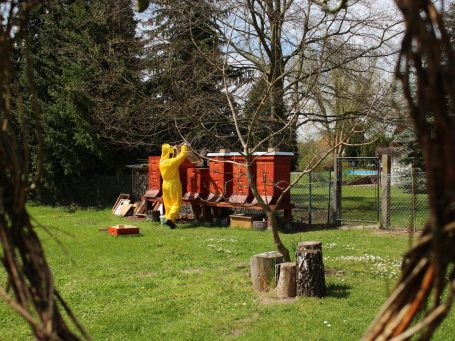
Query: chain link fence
312, 196
86, 191
407, 200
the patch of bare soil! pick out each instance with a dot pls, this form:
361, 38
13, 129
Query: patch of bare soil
143, 274
241, 325
334, 272
191, 271
268, 299
397, 232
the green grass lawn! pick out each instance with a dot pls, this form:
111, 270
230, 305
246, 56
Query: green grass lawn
193, 283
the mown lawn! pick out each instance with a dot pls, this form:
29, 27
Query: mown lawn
193, 283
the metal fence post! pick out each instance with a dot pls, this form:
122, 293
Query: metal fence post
386, 191
329, 201
310, 180
335, 203
413, 198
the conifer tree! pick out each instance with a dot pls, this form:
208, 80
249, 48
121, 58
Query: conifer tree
85, 59
185, 62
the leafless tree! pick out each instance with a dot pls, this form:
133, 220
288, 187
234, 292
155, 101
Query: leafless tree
292, 48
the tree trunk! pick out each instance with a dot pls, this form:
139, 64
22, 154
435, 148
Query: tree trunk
262, 269
273, 224
310, 270
286, 278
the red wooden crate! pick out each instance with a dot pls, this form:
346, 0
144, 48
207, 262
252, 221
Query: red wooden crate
126, 230
273, 175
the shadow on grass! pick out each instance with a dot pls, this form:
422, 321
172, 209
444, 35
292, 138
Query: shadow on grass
194, 225
298, 227
338, 290
124, 236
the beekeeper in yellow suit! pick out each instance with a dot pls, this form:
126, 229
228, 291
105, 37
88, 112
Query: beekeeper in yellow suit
172, 188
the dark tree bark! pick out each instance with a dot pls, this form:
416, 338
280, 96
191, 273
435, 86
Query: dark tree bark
310, 270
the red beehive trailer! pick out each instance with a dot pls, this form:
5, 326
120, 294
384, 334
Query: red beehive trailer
183, 170
220, 176
273, 175
241, 191
197, 186
154, 177
155, 181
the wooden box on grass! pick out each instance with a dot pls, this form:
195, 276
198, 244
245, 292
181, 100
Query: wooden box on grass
122, 230
243, 220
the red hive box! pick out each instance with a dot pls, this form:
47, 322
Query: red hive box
154, 187
197, 186
154, 176
220, 178
183, 170
241, 191
273, 174
123, 231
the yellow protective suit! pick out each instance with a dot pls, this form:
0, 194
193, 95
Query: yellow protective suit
172, 188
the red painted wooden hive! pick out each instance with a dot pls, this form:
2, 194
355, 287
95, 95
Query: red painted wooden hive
197, 186
241, 191
220, 177
273, 175
183, 170
155, 181
154, 178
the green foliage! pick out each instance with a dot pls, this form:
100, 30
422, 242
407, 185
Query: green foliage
194, 283
310, 153
361, 146
84, 58
410, 151
257, 109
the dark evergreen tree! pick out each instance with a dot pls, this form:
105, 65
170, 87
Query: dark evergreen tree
85, 57
258, 104
185, 61
410, 152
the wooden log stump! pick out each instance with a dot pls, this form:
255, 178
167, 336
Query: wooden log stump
286, 280
310, 270
312, 245
262, 269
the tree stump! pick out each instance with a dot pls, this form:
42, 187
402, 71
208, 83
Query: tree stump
310, 270
313, 245
286, 280
262, 269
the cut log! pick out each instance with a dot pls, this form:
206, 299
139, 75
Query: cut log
286, 286
313, 245
262, 269
310, 270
